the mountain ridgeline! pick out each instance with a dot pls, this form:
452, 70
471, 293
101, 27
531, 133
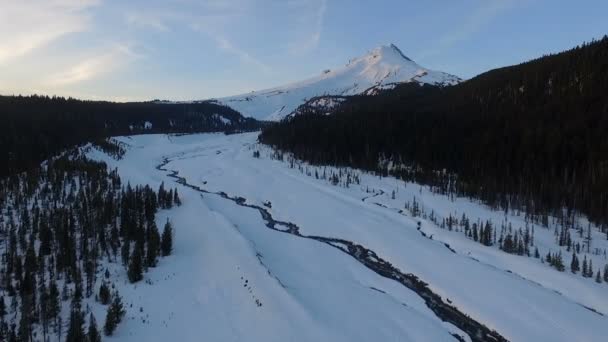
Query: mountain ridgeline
381, 68
33, 128
530, 137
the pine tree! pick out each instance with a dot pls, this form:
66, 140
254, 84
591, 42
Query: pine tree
2, 308
153, 245
110, 324
114, 239
162, 196
25, 321
176, 198
170, 199
125, 252
53, 306
606, 273
44, 310
585, 271
76, 326
166, 244
475, 234
558, 262
93, 333
104, 294
135, 271
574, 264
598, 276
115, 314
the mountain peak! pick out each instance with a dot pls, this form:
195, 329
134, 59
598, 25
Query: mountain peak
379, 69
394, 49
386, 51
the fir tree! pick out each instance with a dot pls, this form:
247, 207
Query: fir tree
475, 234
167, 239
135, 271
170, 199
53, 305
585, 271
104, 294
125, 252
76, 326
574, 264
153, 245
93, 334
176, 198
558, 262
114, 315
44, 311
2, 308
25, 321
598, 276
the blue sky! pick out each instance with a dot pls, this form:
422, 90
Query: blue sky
196, 49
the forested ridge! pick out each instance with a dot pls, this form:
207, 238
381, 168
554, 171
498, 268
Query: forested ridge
33, 128
530, 136
65, 229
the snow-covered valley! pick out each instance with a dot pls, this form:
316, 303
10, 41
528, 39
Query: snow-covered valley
232, 278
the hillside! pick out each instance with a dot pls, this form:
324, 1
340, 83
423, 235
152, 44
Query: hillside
34, 128
379, 259
530, 136
381, 68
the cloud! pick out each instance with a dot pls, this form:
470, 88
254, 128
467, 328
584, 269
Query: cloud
470, 25
317, 19
94, 66
213, 18
226, 45
36, 54
212, 27
26, 25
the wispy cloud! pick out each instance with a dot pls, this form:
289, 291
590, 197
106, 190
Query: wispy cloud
213, 18
229, 47
30, 24
213, 26
316, 22
95, 66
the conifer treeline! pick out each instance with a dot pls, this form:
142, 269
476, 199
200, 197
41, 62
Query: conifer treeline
503, 235
33, 128
61, 227
531, 136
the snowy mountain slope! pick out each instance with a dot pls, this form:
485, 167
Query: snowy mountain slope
381, 68
232, 279
310, 290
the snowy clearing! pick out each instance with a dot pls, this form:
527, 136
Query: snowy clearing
232, 278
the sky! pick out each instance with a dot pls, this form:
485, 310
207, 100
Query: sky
197, 49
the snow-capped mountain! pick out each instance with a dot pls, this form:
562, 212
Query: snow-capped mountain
381, 68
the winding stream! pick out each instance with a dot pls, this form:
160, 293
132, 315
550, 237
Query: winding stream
477, 331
